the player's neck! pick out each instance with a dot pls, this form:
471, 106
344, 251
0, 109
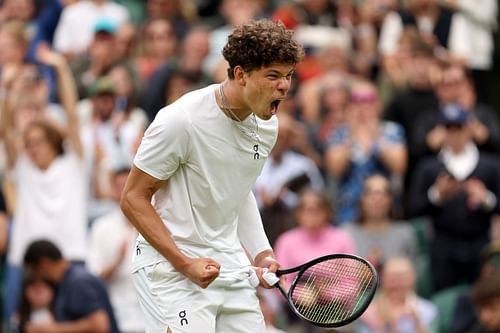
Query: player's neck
232, 102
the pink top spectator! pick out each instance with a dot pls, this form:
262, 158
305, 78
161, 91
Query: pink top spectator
297, 246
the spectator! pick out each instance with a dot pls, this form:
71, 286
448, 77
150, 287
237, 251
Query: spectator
113, 235
396, 307
363, 145
109, 137
233, 12
23, 10
322, 105
35, 305
81, 303
189, 61
99, 58
13, 44
454, 87
157, 45
486, 297
285, 173
445, 31
458, 191
482, 22
314, 235
126, 40
76, 26
48, 173
464, 318
406, 105
376, 234
182, 13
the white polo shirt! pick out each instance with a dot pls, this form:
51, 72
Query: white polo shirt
211, 167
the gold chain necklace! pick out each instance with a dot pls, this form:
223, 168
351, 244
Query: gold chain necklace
253, 133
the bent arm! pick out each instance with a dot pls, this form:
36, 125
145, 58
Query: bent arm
394, 157
338, 159
137, 207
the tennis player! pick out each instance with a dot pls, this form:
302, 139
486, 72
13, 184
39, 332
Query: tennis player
189, 191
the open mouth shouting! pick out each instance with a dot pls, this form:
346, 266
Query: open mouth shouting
274, 106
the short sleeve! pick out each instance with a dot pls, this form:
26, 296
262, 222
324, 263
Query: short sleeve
393, 132
165, 144
339, 136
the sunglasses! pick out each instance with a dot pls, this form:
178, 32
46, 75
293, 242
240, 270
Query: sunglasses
363, 97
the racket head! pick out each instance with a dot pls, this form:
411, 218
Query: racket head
333, 290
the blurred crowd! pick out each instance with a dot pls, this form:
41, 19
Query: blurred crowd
388, 148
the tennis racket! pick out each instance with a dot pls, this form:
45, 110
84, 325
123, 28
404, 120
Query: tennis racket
329, 291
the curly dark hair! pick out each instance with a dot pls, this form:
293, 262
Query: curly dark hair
259, 43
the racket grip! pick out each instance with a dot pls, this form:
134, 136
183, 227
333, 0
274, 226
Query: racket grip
270, 277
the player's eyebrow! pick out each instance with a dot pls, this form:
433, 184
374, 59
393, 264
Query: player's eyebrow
275, 71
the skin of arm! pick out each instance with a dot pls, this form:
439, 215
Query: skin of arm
338, 159
136, 205
254, 240
7, 126
394, 157
67, 93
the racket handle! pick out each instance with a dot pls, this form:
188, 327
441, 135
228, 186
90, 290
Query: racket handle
270, 277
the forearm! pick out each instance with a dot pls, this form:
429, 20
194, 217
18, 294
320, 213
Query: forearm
395, 159
7, 131
68, 96
338, 160
250, 228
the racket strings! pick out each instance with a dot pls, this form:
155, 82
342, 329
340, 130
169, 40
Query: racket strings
334, 290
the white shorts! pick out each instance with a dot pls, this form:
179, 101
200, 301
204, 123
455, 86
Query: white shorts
170, 300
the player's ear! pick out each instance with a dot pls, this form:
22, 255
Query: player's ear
240, 75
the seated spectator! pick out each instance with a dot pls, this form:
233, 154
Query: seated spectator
458, 190
486, 297
314, 235
99, 57
396, 307
35, 305
284, 174
361, 146
182, 13
376, 235
81, 303
465, 317
113, 235
193, 51
157, 45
